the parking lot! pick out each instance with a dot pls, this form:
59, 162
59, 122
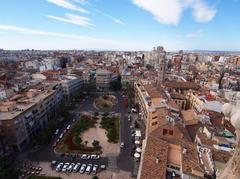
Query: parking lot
116, 164
102, 174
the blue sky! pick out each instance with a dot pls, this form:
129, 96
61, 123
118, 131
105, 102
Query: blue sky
120, 24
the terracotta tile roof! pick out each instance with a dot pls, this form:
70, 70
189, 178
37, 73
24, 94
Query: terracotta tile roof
190, 159
189, 117
158, 143
221, 156
173, 104
182, 85
192, 130
204, 140
153, 91
150, 168
217, 121
178, 134
177, 96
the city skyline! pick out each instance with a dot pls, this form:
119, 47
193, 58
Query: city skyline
120, 25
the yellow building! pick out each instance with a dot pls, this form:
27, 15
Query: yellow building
155, 107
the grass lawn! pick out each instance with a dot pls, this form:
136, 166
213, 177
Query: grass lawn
72, 142
111, 125
43, 177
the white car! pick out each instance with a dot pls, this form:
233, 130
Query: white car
95, 157
122, 144
61, 136
103, 167
85, 156
83, 167
59, 167
88, 169
94, 169
70, 167
76, 167
134, 110
56, 132
68, 127
65, 166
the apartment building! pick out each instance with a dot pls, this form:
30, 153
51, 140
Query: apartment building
23, 115
127, 77
155, 105
71, 85
103, 79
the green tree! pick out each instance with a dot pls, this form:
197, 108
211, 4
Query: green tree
7, 171
95, 177
78, 140
130, 94
95, 143
116, 84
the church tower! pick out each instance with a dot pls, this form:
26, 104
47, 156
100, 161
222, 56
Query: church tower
161, 65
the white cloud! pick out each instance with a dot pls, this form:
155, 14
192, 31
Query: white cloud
53, 40
166, 12
46, 33
202, 12
73, 19
68, 5
114, 19
170, 11
196, 34
118, 21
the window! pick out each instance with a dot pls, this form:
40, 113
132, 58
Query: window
170, 132
165, 131
154, 123
155, 117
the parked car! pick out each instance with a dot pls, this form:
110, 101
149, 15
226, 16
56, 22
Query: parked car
122, 144
61, 136
70, 167
59, 167
103, 167
65, 166
134, 110
76, 167
68, 127
53, 163
83, 168
94, 169
56, 132
95, 157
85, 156
65, 130
88, 169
